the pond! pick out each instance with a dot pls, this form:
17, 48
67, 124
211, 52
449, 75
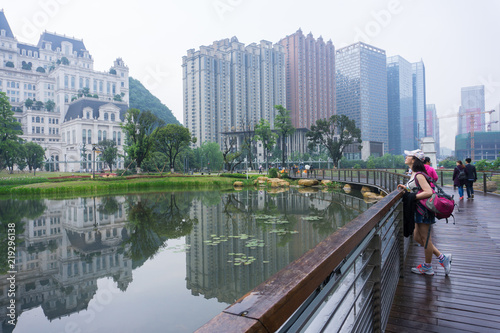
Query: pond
153, 262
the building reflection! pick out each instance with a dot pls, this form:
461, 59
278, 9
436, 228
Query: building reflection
211, 272
63, 252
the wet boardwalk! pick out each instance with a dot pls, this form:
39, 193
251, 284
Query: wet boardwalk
468, 300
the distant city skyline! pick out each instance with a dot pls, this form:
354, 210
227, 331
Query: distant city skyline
455, 54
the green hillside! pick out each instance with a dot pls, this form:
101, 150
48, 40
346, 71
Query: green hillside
142, 99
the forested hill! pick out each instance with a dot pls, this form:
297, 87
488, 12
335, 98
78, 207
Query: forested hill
142, 99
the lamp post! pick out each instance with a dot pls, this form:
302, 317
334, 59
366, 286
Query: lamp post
34, 166
93, 160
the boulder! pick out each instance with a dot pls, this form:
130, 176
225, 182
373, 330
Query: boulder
347, 188
308, 182
238, 183
325, 182
307, 190
365, 189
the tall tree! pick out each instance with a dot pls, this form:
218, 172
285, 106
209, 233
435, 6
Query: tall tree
139, 128
35, 155
9, 130
264, 134
109, 152
171, 140
230, 154
284, 127
334, 134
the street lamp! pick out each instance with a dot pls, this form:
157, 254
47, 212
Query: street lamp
34, 166
93, 160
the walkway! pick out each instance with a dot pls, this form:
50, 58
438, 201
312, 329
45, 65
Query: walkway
468, 300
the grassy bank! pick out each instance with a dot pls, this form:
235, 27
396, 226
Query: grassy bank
42, 184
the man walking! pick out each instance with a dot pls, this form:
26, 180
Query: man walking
471, 178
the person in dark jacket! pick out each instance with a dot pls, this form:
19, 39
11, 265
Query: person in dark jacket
471, 178
459, 178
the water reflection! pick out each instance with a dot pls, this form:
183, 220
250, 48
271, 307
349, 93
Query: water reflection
233, 242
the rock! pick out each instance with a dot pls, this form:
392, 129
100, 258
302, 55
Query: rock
308, 182
365, 189
325, 182
308, 190
238, 183
347, 188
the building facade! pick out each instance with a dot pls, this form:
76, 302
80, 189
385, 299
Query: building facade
41, 81
400, 105
432, 125
229, 87
472, 110
310, 78
362, 91
419, 101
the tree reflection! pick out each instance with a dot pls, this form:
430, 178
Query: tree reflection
155, 218
333, 217
108, 206
13, 211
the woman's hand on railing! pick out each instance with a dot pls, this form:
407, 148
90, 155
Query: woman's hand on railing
401, 187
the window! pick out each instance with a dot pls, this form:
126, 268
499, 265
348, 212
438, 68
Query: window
106, 116
89, 136
112, 117
119, 138
104, 135
114, 137
88, 115
99, 136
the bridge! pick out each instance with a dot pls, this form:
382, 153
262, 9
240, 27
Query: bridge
359, 280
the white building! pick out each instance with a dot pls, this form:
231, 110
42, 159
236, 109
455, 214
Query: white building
229, 87
59, 69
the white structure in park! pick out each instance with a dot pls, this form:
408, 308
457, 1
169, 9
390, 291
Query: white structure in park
55, 74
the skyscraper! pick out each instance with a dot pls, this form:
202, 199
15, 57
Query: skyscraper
471, 111
362, 92
432, 125
419, 101
310, 78
230, 87
400, 105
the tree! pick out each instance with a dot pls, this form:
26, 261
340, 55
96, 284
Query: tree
229, 154
50, 105
109, 152
9, 129
64, 61
334, 134
212, 156
40, 69
35, 155
171, 140
9, 64
117, 98
39, 105
28, 103
264, 134
284, 127
138, 128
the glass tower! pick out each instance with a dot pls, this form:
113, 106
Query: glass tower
472, 110
419, 101
362, 90
400, 105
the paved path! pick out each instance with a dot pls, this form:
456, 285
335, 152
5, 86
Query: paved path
468, 300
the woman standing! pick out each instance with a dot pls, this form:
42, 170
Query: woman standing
460, 178
423, 217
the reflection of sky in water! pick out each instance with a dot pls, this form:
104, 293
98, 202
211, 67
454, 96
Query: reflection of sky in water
173, 290
156, 301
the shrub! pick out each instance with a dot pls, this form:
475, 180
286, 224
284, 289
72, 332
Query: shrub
233, 175
273, 173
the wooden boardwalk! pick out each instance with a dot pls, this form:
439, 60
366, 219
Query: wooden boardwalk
468, 300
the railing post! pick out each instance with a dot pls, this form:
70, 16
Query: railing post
442, 180
359, 176
484, 183
401, 237
376, 261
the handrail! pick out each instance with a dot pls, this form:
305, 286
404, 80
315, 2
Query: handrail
268, 306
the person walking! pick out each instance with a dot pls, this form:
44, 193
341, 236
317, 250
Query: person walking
431, 172
471, 178
459, 178
423, 217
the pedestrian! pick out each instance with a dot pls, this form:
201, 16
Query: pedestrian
430, 171
459, 178
424, 218
260, 168
471, 178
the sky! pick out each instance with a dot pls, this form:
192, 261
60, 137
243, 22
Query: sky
458, 40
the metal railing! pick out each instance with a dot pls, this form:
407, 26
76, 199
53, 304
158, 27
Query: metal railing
346, 283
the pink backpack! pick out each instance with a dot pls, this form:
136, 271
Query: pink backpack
440, 203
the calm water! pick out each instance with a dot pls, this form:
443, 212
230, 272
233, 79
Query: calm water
161, 262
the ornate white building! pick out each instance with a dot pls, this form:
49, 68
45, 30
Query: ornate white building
60, 69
